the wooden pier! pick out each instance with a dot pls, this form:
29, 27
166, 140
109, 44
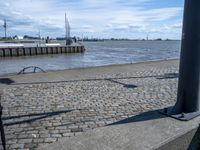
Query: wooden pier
39, 50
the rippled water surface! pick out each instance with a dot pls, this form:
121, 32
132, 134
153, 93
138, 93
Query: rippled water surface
97, 54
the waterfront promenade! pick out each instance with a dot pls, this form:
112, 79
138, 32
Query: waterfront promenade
46, 107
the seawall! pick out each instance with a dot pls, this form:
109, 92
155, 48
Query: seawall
39, 50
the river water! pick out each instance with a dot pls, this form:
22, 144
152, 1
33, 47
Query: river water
96, 54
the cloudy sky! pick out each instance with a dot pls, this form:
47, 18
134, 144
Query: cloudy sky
94, 18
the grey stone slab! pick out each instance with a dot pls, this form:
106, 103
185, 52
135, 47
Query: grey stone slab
144, 132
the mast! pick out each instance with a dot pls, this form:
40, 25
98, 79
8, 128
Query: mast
67, 27
5, 28
67, 30
39, 35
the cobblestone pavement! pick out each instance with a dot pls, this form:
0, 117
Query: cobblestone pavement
37, 114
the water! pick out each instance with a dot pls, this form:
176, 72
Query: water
97, 54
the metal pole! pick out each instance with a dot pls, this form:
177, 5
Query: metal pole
188, 97
66, 30
5, 28
3, 139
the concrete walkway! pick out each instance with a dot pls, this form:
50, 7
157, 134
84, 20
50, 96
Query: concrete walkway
137, 69
47, 107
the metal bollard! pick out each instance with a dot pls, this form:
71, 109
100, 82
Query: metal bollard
188, 97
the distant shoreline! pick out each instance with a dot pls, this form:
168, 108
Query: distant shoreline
102, 40
84, 40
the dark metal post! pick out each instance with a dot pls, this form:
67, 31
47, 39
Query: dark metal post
188, 97
3, 139
5, 28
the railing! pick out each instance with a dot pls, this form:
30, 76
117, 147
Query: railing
23, 71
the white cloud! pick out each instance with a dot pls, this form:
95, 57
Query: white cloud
86, 16
177, 25
160, 14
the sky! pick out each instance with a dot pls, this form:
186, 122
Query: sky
133, 19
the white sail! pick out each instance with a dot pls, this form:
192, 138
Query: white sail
67, 27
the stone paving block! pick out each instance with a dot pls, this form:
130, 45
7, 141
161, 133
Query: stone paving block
56, 135
17, 146
21, 141
94, 103
50, 140
68, 134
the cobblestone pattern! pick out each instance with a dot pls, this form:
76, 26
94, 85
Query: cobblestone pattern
36, 114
